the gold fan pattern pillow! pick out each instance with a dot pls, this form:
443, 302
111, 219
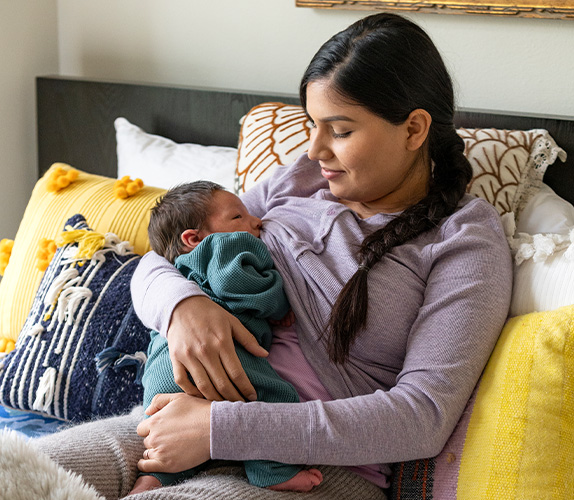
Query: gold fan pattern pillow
271, 134
508, 165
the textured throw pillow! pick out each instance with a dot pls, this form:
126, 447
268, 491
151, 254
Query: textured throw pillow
160, 162
508, 165
91, 195
543, 272
82, 347
271, 134
515, 439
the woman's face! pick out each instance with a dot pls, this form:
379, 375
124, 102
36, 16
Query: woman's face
372, 165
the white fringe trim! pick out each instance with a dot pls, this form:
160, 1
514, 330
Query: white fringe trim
35, 331
537, 247
69, 301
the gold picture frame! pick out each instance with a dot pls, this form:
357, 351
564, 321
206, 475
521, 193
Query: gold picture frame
554, 9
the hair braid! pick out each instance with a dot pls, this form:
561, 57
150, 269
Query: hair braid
447, 187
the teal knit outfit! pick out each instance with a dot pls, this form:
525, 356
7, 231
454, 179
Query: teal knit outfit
237, 272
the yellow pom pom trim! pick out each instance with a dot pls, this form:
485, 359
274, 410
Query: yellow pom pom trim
61, 178
89, 242
126, 187
5, 253
6, 345
46, 250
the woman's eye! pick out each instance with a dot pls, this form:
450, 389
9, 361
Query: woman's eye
341, 135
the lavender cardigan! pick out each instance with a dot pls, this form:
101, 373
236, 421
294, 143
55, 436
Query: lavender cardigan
436, 307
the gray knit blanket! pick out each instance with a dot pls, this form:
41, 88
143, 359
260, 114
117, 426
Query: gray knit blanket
27, 472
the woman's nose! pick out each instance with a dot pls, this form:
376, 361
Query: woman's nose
318, 147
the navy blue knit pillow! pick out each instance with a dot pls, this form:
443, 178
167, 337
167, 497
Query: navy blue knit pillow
82, 348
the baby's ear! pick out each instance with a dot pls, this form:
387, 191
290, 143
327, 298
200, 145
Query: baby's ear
190, 239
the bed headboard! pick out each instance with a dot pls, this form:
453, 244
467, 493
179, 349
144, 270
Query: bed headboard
75, 121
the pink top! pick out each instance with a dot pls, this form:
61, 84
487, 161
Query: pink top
288, 360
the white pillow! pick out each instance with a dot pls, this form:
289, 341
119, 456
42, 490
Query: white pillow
546, 212
160, 162
543, 272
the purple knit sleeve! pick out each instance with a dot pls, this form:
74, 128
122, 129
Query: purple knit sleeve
156, 288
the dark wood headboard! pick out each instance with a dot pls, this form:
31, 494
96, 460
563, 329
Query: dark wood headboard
75, 122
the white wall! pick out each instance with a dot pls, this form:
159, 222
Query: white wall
519, 64
523, 65
28, 47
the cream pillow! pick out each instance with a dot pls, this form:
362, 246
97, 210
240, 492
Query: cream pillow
509, 165
543, 272
160, 162
271, 134
546, 212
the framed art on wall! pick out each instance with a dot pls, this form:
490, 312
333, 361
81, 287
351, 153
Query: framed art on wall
557, 9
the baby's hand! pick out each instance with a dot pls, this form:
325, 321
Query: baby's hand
287, 320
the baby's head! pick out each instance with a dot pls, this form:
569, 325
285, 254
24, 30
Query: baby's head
189, 212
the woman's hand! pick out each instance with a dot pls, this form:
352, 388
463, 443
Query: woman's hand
177, 434
200, 340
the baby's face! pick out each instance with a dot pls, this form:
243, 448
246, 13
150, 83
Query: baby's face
229, 214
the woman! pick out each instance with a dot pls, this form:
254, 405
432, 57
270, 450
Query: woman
400, 284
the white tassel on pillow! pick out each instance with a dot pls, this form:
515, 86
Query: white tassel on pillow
46, 390
69, 301
35, 330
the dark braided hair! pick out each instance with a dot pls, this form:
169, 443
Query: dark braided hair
390, 66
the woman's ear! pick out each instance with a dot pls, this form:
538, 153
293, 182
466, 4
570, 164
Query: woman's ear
418, 126
190, 239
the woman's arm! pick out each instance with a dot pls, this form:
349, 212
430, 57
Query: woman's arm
466, 300
200, 332
466, 303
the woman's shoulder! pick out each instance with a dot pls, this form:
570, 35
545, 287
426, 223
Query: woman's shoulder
475, 209
477, 224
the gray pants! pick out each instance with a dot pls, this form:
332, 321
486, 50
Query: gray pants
105, 453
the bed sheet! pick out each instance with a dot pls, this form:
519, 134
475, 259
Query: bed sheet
28, 424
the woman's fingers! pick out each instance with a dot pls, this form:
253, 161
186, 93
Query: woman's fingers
157, 403
150, 465
237, 376
181, 378
172, 444
200, 340
244, 337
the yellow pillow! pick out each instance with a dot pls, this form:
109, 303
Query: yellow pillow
91, 195
515, 439
520, 438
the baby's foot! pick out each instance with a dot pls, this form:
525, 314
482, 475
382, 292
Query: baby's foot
302, 481
145, 483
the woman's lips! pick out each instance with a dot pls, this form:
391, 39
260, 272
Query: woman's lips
331, 174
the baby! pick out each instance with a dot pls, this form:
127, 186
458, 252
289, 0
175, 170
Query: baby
213, 240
